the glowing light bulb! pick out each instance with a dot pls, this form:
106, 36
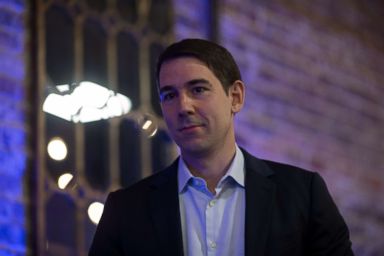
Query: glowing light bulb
57, 149
77, 106
148, 124
64, 180
95, 210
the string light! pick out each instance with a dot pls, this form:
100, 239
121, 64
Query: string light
95, 210
57, 149
64, 180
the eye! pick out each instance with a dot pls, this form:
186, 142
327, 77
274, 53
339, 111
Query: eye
199, 89
167, 96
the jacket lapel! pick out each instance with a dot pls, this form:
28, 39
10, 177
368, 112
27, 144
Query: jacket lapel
165, 213
259, 194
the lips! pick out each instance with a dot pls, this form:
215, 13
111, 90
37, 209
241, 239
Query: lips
189, 127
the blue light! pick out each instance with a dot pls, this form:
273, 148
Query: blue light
13, 129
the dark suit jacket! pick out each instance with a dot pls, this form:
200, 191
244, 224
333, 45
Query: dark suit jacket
288, 212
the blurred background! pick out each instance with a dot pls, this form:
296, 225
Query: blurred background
314, 98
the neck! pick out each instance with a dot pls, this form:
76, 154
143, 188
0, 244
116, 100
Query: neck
211, 166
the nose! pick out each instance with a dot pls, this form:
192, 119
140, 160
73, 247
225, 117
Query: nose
185, 104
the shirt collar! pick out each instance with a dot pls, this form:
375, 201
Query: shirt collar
235, 171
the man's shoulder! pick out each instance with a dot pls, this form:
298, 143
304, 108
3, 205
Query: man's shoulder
277, 171
292, 176
280, 168
294, 183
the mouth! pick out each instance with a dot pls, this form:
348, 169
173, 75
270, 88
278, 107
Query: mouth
191, 127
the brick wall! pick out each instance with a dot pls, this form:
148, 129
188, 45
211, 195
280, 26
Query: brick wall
313, 71
12, 128
191, 19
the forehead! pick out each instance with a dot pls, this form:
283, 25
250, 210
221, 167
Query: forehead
183, 69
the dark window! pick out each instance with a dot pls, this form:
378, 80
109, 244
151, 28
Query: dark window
129, 148
90, 229
95, 53
155, 50
61, 223
128, 68
59, 46
159, 16
57, 127
128, 10
97, 5
97, 154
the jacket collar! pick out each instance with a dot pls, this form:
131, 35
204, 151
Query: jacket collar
165, 213
259, 195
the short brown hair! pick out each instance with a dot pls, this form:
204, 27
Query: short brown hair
218, 59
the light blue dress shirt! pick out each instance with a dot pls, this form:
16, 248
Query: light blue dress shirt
213, 224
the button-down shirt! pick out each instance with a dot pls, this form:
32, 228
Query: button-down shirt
213, 224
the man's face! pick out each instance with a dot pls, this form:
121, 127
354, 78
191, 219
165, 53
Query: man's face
196, 109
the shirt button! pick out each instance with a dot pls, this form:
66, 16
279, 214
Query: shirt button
212, 245
212, 203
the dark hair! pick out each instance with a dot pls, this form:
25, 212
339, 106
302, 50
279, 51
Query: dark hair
218, 59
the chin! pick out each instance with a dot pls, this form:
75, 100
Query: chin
195, 149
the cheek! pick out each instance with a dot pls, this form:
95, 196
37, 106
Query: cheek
166, 110
221, 109
168, 116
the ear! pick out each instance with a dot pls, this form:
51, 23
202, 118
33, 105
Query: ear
237, 93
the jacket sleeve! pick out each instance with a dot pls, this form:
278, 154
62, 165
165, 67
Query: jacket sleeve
106, 238
328, 234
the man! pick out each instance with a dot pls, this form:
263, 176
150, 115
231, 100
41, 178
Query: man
217, 199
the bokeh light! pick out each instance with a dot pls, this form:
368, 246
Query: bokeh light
64, 180
95, 210
148, 125
57, 149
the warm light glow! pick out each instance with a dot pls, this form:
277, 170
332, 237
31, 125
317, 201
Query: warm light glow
63, 88
153, 133
95, 210
57, 149
61, 106
64, 180
91, 95
147, 124
87, 102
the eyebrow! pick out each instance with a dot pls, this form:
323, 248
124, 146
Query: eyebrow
165, 89
192, 82
198, 81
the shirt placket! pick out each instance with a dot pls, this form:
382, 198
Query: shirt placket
211, 226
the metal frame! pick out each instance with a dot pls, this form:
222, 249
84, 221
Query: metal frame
44, 185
